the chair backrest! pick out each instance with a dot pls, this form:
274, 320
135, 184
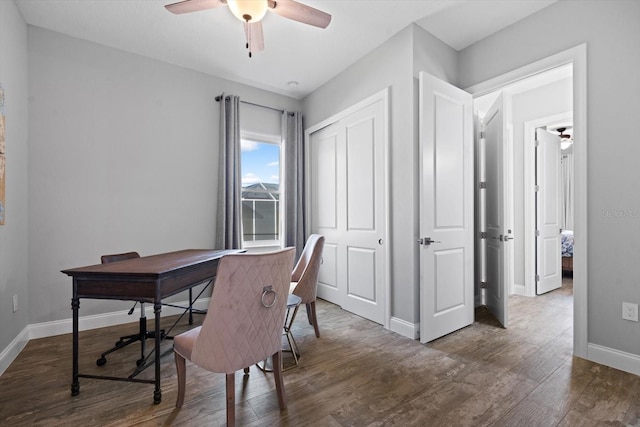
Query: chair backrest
106, 259
307, 268
244, 323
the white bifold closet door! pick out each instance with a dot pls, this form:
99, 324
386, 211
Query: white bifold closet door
346, 176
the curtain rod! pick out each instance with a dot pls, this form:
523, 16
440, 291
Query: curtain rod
219, 98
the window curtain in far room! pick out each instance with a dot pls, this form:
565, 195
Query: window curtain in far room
294, 212
229, 218
567, 188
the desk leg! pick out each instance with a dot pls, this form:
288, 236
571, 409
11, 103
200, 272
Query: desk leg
75, 305
191, 306
157, 394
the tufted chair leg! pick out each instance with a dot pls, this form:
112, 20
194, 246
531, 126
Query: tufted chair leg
231, 400
311, 315
182, 373
277, 371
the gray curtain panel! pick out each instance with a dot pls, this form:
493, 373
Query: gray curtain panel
294, 214
229, 218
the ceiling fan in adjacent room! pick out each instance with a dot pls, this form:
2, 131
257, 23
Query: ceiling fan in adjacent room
561, 133
251, 12
565, 139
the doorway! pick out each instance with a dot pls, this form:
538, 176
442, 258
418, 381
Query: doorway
531, 229
576, 58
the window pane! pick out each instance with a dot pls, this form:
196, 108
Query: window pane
266, 220
260, 164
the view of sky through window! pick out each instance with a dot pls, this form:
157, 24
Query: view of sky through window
260, 162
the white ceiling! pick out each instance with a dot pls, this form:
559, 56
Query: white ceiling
212, 41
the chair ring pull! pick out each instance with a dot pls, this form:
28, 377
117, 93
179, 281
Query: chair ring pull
266, 296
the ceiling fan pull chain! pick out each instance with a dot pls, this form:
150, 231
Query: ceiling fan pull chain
248, 35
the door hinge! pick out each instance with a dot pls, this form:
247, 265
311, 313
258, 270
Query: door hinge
484, 285
483, 184
537, 233
482, 134
537, 277
537, 143
483, 234
536, 188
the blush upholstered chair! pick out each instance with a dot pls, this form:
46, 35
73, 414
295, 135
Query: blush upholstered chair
304, 279
244, 322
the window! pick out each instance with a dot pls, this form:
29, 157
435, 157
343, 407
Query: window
260, 167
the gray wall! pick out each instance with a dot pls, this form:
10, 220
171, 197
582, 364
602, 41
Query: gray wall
13, 235
611, 30
123, 155
395, 64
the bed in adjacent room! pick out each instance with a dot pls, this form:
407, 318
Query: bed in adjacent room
567, 250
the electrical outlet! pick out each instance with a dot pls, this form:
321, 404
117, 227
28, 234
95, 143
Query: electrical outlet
15, 303
630, 311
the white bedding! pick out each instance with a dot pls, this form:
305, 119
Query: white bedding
567, 243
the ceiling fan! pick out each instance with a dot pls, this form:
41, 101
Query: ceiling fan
563, 135
565, 139
251, 12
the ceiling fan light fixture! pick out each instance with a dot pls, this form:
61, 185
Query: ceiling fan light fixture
248, 10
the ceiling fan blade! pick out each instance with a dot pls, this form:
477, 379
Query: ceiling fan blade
188, 6
255, 37
300, 12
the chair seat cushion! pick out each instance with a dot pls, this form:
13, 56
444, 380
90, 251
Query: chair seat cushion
183, 343
292, 286
293, 301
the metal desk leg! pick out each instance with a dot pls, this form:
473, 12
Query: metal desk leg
75, 305
157, 394
191, 306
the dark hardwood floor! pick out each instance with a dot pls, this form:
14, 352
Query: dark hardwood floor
356, 374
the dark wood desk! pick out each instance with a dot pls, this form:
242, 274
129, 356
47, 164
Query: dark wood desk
147, 279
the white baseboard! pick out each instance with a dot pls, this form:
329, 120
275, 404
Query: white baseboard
59, 327
519, 289
12, 351
407, 329
614, 358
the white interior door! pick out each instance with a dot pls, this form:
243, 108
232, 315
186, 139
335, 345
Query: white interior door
496, 214
323, 148
347, 205
548, 212
446, 209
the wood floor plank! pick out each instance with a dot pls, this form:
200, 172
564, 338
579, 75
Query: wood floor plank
607, 399
491, 403
562, 389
